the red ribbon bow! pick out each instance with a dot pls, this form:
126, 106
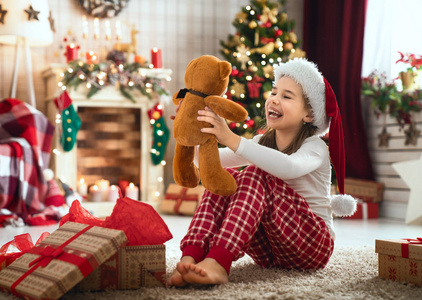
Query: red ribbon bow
405, 246
46, 256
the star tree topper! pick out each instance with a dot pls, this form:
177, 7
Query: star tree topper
409, 171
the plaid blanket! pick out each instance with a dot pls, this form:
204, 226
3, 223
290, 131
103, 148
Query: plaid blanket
25, 144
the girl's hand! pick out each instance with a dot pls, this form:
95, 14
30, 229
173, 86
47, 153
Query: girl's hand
220, 129
177, 109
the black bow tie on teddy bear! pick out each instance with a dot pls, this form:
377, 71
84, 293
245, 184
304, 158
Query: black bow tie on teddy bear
182, 93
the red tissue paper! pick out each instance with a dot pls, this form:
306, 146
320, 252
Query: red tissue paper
23, 242
139, 221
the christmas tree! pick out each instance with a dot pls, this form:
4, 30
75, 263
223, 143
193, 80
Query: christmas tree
264, 37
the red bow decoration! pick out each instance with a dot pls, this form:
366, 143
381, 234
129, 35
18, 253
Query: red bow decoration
47, 255
23, 242
405, 246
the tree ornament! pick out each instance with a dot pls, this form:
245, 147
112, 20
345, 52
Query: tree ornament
269, 15
242, 56
288, 46
161, 134
252, 24
297, 53
254, 87
32, 13
241, 17
268, 71
2, 14
278, 33
283, 18
70, 120
267, 49
292, 37
237, 89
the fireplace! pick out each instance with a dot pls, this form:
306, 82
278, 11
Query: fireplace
113, 142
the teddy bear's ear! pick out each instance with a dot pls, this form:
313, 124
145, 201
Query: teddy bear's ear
225, 69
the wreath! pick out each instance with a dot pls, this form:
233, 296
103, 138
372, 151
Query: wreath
103, 8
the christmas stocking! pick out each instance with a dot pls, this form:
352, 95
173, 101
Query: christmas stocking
161, 134
70, 121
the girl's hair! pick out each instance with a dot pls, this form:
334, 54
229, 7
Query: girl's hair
307, 130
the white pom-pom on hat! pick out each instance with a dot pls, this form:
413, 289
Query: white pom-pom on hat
343, 205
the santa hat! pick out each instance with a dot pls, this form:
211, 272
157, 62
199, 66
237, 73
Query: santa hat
326, 117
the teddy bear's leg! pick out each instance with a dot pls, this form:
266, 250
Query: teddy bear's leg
214, 178
185, 172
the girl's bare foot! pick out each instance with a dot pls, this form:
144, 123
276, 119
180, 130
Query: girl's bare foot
176, 278
208, 271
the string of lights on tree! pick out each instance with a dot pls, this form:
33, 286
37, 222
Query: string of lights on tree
264, 37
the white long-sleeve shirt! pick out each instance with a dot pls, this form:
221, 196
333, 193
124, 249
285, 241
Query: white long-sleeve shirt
307, 171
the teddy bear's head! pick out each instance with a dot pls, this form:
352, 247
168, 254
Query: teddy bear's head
207, 74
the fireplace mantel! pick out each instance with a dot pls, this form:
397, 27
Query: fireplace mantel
64, 164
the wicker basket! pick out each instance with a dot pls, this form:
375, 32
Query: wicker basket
366, 190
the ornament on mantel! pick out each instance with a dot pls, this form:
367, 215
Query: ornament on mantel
161, 134
103, 8
2, 14
32, 13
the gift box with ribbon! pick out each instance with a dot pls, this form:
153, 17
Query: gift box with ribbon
400, 260
365, 210
180, 200
60, 261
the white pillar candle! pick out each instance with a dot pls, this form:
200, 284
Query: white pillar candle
113, 193
103, 186
95, 194
82, 187
132, 191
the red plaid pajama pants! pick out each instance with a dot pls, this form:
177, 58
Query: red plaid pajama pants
265, 219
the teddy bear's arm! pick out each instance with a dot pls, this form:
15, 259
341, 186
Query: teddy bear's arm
226, 108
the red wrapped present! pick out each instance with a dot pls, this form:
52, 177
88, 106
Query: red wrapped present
140, 264
365, 210
400, 260
60, 261
180, 200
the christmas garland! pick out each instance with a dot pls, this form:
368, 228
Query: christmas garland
127, 77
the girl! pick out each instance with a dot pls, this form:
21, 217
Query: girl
281, 213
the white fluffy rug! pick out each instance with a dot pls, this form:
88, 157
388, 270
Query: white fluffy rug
350, 274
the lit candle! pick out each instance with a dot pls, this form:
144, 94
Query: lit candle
103, 186
95, 194
96, 29
82, 187
156, 60
84, 27
113, 193
118, 31
107, 30
71, 52
132, 191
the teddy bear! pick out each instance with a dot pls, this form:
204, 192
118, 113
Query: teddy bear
206, 79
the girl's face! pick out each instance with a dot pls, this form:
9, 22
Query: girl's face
285, 109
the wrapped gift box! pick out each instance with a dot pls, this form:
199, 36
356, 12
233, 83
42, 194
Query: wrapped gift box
400, 260
60, 261
365, 210
132, 267
366, 190
180, 200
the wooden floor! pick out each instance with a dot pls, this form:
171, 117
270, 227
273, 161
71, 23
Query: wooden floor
351, 233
